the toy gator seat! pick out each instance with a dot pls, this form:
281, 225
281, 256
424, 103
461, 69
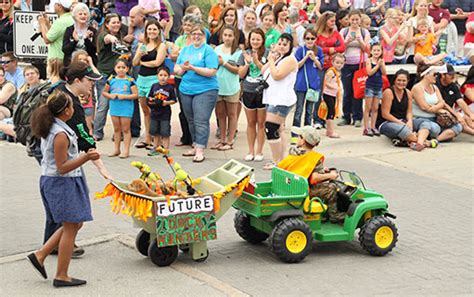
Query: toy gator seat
283, 190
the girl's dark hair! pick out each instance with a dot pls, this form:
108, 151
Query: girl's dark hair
73, 71
372, 46
163, 68
235, 44
263, 9
43, 117
400, 72
261, 49
123, 60
340, 14
277, 9
287, 36
470, 77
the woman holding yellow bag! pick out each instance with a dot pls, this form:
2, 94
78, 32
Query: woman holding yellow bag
332, 95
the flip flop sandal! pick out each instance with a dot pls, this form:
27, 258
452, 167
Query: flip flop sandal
142, 144
217, 146
226, 147
198, 159
190, 153
249, 158
258, 158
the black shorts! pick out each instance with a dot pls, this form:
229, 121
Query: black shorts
160, 128
331, 103
252, 100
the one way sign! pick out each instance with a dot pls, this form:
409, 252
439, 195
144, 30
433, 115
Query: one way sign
27, 41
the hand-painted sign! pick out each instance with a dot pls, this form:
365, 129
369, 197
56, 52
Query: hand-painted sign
185, 221
27, 41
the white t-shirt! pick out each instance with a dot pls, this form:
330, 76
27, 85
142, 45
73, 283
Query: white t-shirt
358, 4
280, 92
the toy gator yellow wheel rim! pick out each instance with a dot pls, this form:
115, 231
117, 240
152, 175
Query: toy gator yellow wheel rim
296, 241
384, 237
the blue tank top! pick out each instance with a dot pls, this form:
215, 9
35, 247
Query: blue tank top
375, 82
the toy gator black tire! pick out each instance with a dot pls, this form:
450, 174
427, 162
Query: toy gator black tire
246, 231
291, 240
142, 242
378, 236
162, 256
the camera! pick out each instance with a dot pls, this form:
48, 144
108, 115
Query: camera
262, 86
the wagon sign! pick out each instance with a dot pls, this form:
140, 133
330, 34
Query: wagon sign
185, 221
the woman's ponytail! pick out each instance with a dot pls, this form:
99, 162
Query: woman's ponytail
43, 117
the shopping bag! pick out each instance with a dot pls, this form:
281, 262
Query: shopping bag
359, 79
323, 110
358, 83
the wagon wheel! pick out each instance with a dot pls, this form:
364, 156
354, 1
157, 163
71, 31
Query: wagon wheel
142, 241
162, 256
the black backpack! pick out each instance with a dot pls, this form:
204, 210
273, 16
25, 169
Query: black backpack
28, 102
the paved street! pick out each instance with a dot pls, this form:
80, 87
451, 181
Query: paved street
430, 192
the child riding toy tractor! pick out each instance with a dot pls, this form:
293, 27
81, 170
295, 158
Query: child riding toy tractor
282, 211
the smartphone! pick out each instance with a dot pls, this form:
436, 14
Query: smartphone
353, 34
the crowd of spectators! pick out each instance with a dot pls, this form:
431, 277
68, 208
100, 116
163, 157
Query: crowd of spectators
269, 58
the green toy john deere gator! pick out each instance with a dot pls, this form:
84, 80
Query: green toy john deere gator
282, 211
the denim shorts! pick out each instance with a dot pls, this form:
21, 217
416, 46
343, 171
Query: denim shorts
369, 93
428, 124
88, 111
280, 110
395, 130
431, 125
160, 128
